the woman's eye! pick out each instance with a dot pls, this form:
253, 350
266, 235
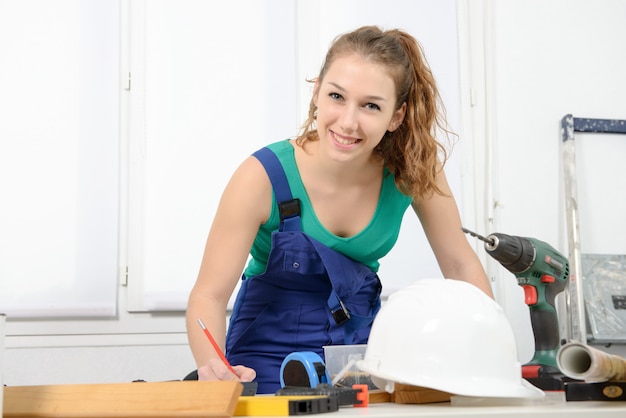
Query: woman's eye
372, 106
335, 96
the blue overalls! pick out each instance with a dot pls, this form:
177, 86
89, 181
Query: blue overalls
309, 295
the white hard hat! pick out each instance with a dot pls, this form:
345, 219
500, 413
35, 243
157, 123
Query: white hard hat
447, 335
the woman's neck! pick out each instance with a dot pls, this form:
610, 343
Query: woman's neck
313, 163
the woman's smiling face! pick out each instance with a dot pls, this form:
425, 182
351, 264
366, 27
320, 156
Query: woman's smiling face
356, 105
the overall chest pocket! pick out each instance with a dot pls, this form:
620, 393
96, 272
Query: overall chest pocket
303, 262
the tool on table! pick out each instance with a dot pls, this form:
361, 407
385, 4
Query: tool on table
358, 395
602, 376
582, 362
303, 369
595, 391
285, 405
303, 373
543, 273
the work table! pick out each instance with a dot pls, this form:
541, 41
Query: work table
553, 405
222, 399
595, 409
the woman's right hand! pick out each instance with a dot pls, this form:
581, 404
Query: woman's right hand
217, 370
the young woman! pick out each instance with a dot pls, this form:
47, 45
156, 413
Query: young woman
366, 153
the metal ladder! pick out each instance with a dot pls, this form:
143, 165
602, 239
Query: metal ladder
575, 297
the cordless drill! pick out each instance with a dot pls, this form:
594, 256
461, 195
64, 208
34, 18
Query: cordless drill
543, 273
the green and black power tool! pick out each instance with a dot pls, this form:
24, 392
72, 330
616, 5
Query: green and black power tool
543, 273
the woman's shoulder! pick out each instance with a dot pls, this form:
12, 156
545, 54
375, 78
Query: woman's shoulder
390, 188
281, 148
284, 151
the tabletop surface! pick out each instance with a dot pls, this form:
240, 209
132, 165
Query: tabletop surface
552, 405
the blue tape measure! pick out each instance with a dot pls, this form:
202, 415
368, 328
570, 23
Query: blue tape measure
303, 369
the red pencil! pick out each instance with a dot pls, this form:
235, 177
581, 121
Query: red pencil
216, 347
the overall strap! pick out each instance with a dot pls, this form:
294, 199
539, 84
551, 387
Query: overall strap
288, 207
337, 266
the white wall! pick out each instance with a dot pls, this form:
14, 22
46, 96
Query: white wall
543, 60
183, 148
209, 84
519, 59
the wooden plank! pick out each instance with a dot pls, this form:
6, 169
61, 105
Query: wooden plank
139, 399
407, 394
379, 396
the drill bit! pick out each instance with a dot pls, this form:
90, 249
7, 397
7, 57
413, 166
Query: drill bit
489, 241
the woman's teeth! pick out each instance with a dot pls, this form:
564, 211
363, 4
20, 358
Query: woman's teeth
344, 141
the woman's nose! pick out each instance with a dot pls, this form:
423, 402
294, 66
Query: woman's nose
349, 120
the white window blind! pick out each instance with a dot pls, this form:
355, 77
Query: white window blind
59, 157
211, 83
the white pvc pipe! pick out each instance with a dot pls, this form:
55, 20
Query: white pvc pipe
582, 362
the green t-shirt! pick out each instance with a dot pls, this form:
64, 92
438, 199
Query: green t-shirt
367, 247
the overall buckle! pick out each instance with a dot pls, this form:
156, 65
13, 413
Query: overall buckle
340, 314
289, 209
